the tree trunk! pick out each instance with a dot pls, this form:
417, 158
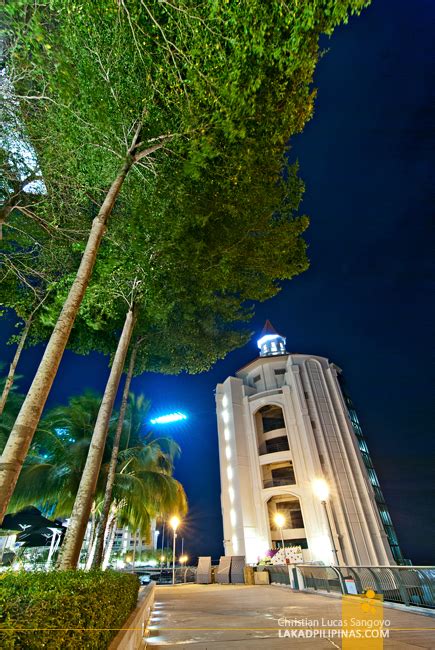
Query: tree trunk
28, 418
14, 363
90, 549
85, 495
113, 461
134, 548
109, 545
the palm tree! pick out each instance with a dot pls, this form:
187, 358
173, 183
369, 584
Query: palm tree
140, 484
52, 471
143, 490
143, 486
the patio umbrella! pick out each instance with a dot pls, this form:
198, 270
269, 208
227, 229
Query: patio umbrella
29, 517
39, 536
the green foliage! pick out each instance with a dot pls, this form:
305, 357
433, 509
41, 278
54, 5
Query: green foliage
60, 609
144, 486
207, 224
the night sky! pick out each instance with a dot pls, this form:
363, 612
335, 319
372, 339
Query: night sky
365, 302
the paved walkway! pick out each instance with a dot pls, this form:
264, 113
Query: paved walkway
223, 617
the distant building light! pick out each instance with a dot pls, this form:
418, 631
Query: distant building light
170, 417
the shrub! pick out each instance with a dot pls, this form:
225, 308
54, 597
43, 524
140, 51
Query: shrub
64, 609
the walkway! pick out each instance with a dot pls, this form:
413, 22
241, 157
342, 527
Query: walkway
223, 617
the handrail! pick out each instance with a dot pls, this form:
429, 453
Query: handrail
406, 584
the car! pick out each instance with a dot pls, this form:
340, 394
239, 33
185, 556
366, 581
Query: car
145, 579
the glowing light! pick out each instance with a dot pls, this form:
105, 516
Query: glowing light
279, 519
228, 452
170, 417
321, 549
225, 416
231, 494
256, 548
267, 337
233, 517
230, 473
225, 401
226, 434
162, 558
183, 559
174, 522
321, 489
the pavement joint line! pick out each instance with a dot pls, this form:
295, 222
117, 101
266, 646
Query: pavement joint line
266, 629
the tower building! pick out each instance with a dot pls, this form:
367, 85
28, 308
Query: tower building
285, 425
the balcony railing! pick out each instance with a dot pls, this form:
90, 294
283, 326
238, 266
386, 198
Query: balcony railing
279, 482
272, 447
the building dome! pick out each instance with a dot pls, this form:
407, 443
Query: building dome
270, 343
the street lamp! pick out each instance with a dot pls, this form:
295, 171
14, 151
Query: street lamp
174, 522
321, 490
183, 559
279, 520
169, 418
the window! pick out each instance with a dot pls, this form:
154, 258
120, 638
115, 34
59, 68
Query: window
278, 474
272, 418
256, 378
276, 444
385, 516
291, 510
283, 475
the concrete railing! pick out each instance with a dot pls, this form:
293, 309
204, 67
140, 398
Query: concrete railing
131, 636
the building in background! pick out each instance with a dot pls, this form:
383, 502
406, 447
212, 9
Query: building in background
284, 423
125, 541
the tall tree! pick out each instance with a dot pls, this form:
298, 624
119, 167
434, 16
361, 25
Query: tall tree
108, 492
85, 495
202, 75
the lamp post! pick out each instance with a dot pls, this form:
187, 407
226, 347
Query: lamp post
174, 523
279, 519
321, 490
183, 559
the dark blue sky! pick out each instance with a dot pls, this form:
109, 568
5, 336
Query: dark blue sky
365, 302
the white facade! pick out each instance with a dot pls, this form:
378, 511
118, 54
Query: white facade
282, 424
126, 541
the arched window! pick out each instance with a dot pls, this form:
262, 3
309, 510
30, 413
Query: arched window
272, 418
289, 507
